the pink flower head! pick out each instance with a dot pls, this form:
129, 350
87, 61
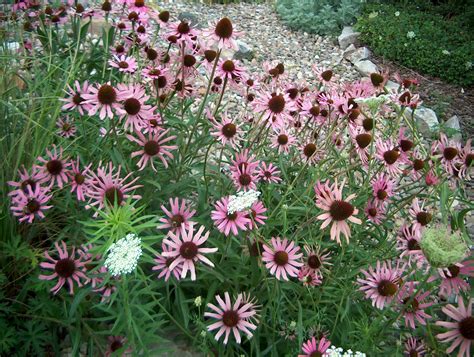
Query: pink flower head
68, 268
163, 265
222, 34
275, 108
310, 153
337, 210
79, 180
107, 187
453, 277
102, 99
75, 98
133, 108
421, 216
178, 218
124, 63
466, 157
316, 259
29, 203
186, 250
413, 347
375, 212
55, 167
231, 70
256, 215
33, 178
449, 152
241, 316
389, 155
66, 127
362, 142
244, 160
282, 258
309, 277
408, 243
268, 173
283, 141
153, 147
226, 222
227, 132
461, 330
244, 178
117, 343
181, 33
314, 347
381, 285
412, 304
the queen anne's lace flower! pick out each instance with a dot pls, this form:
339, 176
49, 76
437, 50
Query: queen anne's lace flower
242, 201
123, 255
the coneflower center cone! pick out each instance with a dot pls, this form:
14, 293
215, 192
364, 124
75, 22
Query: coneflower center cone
277, 104
188, 250
363, 140
106, 94
314, 262
224, 28
230, 318
177, 220
341, 210
450, 153
391, 156
229, 130
151, 148
387, 288
281, 257
424, 218
65, 267
32, 206
114, 195
132, 106
466, 327
54, 167
309, 150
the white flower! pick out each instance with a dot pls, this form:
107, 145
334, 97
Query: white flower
446, 52
198, 301
334, 351
397, 13
373, 15
123, 255
242, 201
411, 34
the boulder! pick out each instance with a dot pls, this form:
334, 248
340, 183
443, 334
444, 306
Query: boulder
453, 128
360, 54
426, 120
392, 86
366, 67
347, 37
349, 50
244, 51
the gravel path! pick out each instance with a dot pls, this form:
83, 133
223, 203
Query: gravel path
270, 39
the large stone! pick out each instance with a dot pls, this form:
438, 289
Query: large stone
244, 51
360, 54
347, 37
426, 120
392, 86
453, 128
349, 50
366, 67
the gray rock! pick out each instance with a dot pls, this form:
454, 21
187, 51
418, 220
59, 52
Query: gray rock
360, 54
349, 50
365, 67
426, 120
244, 51
454, 128
392, 86
347, 37
190, 17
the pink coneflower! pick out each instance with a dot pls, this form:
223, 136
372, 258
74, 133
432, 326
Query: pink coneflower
449, 151
106, 287
222, 34
66, 127
55, 167
103, 99
68, 268
310, 153
268, 173
381, 285
117, 343
154, 72
242, 316
404, 143
186, 250
244, 160
362, 141
414, 348
226, 222
466, 157
124, 63
452, 280
153, 147
461, 330
375, 212
178, 218
275, 108
163, 264
431, 178
74, 99
323, 75
417, 165
181, 33
315, 348
309, 277
231, 70
33, 178
412, 305
282, 258
29, 203
389, 155
312, 112
134, 109
316, 259
79, 179
382, 187
283, 141
338, 211
244, 178
227, 132
256, 215
408, 243
421, 216
106, 187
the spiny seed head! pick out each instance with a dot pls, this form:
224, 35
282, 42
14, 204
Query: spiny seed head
282, 139
188, 250
114, 195
466, 327
314, 262
376, 79
450, 153
79, 178
292, 92
172, 39
123, 64
405, 98
210, 55
354, 113
277, 104
141, 29
189, 60
132, 106
217, 81
133, 16
177, 220
372, 212
406, 145
281, 68
368, 124
32, 206
327, 75
107, 94
228, 66
54, 167
224, 28
423, 218
391, 156
151, 54
418, 164
151, 148
314, 110
230, 318
387, 288
245, 179
281, 258
164, 16
65, 268
341, 210
184, 28
382, 194
139, 3
121, 26
309, 150
363, 140
274, 72
79, 8
162, 81
229, 130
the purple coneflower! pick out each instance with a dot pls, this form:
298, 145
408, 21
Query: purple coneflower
178, 217
55, 167
30, 203
226, 222
282, 258
315, 348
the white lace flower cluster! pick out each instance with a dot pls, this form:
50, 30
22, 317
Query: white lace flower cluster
242, 201
123, 255
334, 351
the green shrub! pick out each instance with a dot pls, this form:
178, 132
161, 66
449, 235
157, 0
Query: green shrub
427, 42
323, 17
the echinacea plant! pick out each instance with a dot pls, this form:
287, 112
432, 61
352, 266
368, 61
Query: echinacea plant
157, 189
